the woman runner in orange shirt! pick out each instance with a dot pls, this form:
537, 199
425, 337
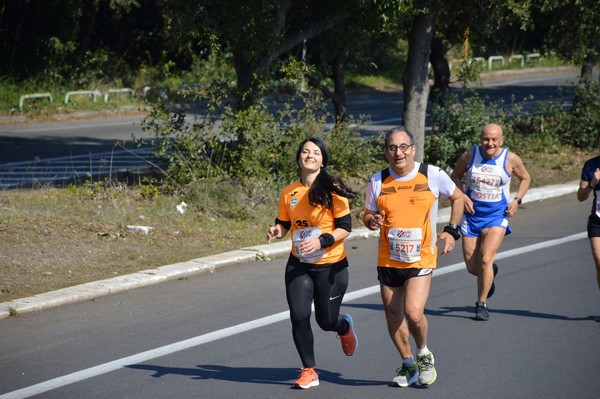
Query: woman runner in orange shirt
315, 210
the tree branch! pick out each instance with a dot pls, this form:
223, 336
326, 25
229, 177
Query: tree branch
307, 33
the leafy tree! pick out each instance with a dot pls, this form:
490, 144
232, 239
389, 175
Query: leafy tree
63, 40
330, 52
357, 44
257, 32
27, 29
506, 29
574, 32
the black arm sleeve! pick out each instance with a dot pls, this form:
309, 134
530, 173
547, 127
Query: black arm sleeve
287, 225
345, 222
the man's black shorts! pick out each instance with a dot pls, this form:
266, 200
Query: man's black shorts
394, 277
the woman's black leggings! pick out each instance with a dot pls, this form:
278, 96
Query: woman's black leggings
326, 285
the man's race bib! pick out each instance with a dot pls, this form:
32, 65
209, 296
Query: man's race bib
302, 235
405, 244
485, 183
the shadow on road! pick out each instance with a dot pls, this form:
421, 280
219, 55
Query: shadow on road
255, 375
459, 311
467, 312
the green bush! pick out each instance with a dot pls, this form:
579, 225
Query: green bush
579, 126
248, 156
456, 127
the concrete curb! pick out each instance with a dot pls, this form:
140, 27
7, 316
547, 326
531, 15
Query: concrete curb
208, 264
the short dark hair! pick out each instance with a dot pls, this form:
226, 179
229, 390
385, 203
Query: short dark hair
398, 129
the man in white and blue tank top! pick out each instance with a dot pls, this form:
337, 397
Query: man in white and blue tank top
487, 170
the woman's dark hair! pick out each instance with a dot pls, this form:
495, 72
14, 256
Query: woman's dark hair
320, 192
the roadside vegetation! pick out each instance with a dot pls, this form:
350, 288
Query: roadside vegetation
215, 181
182, 86
56, 237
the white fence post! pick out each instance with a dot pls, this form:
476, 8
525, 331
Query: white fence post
161, 91
495, 58
517, 57
34, 95
116, 91
94, 93
528, 57
479, 59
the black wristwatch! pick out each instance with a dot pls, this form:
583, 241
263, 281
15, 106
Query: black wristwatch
519, 200
452, 229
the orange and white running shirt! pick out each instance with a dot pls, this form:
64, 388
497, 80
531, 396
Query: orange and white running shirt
408, 238
308, 221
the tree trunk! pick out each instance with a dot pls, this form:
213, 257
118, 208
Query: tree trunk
416, 80
17, 34
87, 25
586, 77
589, 66
339, 95
441, 70
245, 72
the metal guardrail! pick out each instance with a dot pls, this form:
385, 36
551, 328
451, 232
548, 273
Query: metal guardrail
158, 91
498, 58
478, 59
94, 93
118, 91
30, 96
517, 57
495, 58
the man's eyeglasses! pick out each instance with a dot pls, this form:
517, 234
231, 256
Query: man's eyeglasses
403, 147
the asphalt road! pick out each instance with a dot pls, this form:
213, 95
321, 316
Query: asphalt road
227, 335
27, 141
36, 153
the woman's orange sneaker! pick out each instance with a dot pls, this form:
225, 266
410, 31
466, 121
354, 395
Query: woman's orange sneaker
308, 378
349, 340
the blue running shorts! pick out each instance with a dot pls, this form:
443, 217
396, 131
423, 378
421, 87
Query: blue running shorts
472, 225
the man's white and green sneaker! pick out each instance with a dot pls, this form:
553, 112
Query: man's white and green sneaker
407, 375
427, 373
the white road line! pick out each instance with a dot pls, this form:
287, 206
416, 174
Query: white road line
240, 328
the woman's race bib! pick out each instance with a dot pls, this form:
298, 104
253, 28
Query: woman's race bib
405, 244
302, 235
